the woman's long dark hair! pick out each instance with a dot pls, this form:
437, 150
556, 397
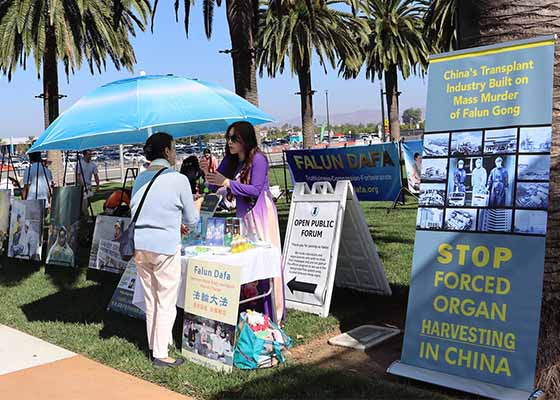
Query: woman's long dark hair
248, 138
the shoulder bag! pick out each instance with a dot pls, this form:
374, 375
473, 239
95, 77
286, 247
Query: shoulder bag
126, 242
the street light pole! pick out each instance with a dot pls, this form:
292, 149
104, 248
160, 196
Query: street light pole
382, 112
328, 116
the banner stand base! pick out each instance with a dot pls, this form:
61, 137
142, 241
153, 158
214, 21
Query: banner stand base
456, 382
402, 192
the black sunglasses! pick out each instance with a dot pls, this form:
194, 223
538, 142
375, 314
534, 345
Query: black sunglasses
233, 138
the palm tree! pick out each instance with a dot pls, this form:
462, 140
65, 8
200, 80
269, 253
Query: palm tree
242, 16
487, 22
396, 43
68, 31
291, 30
439, 25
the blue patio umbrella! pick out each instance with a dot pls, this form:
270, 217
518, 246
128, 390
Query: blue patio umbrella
130, 110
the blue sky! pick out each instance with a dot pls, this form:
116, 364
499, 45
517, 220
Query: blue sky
168, 51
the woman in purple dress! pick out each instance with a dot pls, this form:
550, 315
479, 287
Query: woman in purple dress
244, 173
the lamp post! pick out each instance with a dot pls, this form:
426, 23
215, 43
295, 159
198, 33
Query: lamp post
328, 116
382, 112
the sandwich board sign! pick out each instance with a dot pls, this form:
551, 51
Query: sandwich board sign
327, 242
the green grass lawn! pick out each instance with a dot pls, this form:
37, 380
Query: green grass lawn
68, 310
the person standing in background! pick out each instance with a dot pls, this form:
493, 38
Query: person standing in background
211, 160
37, 180
191, 169
85, 170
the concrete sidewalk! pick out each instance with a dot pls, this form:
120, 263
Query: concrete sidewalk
32, 369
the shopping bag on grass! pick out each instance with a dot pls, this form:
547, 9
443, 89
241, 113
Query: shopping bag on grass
260, 343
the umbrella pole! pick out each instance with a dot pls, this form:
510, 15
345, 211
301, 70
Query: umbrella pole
121, 162
37, 181
65, 169
3, 164
46, 179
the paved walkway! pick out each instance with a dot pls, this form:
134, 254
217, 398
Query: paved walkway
32, 369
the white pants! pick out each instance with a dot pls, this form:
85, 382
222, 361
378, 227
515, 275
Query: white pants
160, 275
85, 203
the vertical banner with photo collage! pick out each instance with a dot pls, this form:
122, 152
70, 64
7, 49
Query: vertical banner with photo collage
62, 247
412, 154
26, 229
475, 296
5, 200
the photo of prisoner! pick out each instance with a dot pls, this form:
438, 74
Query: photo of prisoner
532, 195
434, 170
63, 245
500, 141
429, 218
530, 222
460, 219
208, 338
535, 140
26, 229
533, 168
481, 182
432, 194
494, 220
466, 143
436, 145
104, 254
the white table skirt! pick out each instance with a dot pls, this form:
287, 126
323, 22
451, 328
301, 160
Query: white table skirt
256, 264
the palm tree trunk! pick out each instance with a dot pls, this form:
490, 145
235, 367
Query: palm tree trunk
392, 94
50, 98
242, 20
499, 21
306, 96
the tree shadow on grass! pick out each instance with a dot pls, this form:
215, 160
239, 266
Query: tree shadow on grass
124, 327
86, 306
13, 271
79, 305
353, 308
302, 382
133, 330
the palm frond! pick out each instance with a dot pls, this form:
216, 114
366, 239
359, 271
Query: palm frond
296, 30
